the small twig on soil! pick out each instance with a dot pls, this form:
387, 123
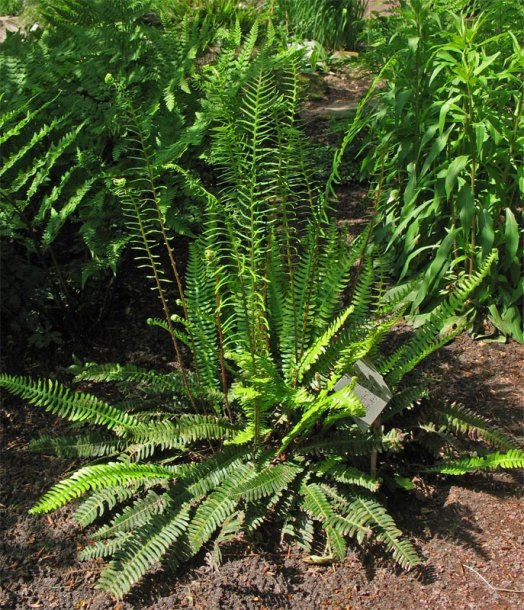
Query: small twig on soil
489, 584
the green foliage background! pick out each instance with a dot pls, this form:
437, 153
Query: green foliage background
444, 151
126, 126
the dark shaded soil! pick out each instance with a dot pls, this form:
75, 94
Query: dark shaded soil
467, 529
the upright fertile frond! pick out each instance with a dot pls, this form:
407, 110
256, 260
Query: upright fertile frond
336, 267
203, 312
298, 316
146, 224
313, 353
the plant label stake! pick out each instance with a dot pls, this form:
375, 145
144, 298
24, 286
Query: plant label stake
371, 389
373, 393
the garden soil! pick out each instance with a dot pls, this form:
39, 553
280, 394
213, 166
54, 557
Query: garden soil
469, 529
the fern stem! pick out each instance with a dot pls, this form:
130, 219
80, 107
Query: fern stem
222, 359
165, 306
163, 230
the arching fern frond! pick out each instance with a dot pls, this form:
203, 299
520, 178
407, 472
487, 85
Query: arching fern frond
103, 548
460, 420
96, 477
134, 516
342, 473
512, 459
101, 501
403, 400
267, 481
387, 532
208, 517
87, 445
429, 337
316, 503
183, 431
139, 553
75, 406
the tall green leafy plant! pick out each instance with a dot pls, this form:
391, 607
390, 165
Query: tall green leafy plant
445, 154
335, 24
264, 428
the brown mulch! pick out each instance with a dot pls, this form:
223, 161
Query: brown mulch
468, 529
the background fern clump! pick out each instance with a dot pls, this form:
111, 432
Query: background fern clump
276, 311
63, 143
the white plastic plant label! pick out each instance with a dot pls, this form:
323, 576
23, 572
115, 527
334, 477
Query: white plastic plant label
371, 389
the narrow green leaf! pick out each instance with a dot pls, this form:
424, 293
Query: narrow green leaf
455, 167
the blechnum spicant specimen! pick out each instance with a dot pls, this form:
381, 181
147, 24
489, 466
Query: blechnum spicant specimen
275, 309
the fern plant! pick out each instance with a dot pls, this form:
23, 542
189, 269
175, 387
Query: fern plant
267, 427
62, 143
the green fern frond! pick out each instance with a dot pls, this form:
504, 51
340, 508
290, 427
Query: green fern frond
101, 501
96, 477
134, 516
128, 373
429, 337
14, 159
58, 219
209, 516
87, 445
268, 481
299, 526
103, 548
350, 519
183, 431
405, 399
352, 444
318, 506
387, 532
141, 551
461, 420
202, 477
313, 353
203, 312
264, 509
336, 267
74, 406
512, 459
341, 473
